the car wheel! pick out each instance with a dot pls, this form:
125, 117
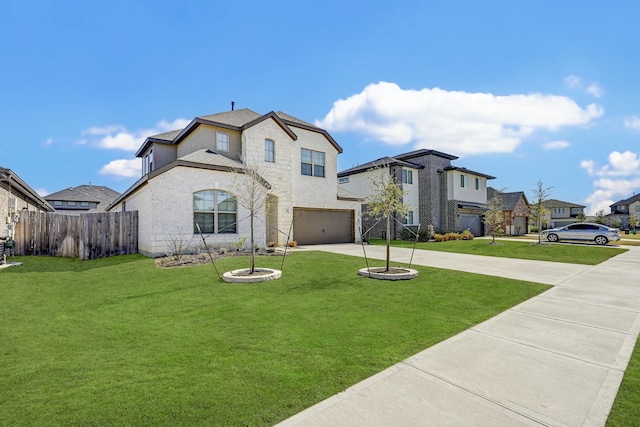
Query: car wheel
601, 240
552, 237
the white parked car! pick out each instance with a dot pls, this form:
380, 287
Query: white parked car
601, 234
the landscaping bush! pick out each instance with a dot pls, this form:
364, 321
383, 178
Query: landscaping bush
467, 235
438, 237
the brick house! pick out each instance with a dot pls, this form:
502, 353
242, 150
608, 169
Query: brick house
623, 209
450, 198
515, 211
189, 175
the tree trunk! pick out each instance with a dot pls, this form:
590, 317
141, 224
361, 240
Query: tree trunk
253, 252
388, 241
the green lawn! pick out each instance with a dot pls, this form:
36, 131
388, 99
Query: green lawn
570, 253
626, 408
118, 341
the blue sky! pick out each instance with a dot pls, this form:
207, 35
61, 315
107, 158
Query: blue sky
524, 91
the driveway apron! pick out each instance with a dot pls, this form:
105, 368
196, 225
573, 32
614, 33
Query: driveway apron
554, 360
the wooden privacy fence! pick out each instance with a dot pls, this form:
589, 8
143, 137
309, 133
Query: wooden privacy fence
87, 236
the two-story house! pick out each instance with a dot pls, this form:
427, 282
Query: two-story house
448, 197
560, 213
623, 209
189, 177
82, 199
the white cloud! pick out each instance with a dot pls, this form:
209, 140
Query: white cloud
457, 122
48, 142
595, 90
122, 168
632, 123
617, 180
555, 145
120, 138
573, 81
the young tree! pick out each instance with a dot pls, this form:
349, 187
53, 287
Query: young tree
494, 215
386, 200
538, 210
633, 221
600, 217
581, 217
616, 222
251, 191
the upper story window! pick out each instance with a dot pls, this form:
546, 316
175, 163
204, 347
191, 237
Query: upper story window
477, 183
57, 203
269, 150
84, 204
71, 203
147, 162
637, 208
343, 180
312, 163
222, 141
214, 211
464, 181
407, 176
623, 207
558, 210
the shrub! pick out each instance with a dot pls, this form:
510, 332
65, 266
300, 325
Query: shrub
534, 229
438, 237
292, 244
467, 235
452, 236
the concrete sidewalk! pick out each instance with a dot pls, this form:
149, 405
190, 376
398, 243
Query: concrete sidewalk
556, 359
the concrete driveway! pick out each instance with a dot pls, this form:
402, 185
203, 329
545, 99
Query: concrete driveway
556, 359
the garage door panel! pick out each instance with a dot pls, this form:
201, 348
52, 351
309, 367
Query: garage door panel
320, 226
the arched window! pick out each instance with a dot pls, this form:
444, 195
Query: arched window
214, 211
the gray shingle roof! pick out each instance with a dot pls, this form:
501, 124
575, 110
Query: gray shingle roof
383, 161
554, 203
209, 157
85, 193
233, 118
508, 200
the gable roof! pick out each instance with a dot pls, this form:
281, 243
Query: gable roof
381, 162
554, 203
628, 201
465, 170
15, 183
236, 120
508, 201
99, 194
425, 152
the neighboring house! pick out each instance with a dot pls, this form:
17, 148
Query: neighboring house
625, 208
448, 197
515, 211
190, 175
560, 213
82, 199
16, 197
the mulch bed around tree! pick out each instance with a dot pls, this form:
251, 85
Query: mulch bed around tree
190, 260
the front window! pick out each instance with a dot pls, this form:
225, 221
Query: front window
343, 180
407, 176
464, 181
214, 211
312, 163
409, 218
222, 141
71, 203
637, 208
477, 183
269, 151
147, 162
57, 203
